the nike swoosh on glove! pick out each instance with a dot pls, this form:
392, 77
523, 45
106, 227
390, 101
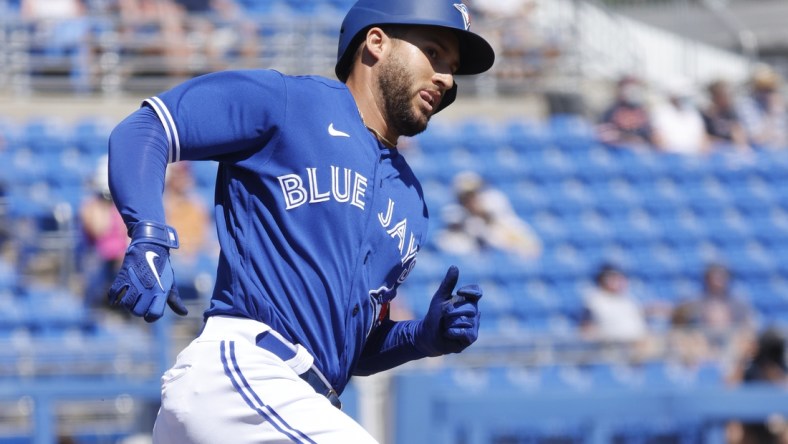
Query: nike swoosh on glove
145, 282
452, 320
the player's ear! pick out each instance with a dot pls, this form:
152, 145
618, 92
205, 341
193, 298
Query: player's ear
376, 43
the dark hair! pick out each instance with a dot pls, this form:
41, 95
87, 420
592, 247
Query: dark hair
605, 270
771, 348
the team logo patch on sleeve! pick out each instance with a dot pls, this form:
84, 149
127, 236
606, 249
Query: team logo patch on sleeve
380, 300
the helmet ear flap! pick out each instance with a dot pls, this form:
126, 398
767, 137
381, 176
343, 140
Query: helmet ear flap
448, 98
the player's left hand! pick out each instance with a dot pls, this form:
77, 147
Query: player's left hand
452, 320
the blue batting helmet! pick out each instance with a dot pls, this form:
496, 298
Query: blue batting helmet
476, 55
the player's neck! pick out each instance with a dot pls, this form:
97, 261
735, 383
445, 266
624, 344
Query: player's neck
380, 137
370, 113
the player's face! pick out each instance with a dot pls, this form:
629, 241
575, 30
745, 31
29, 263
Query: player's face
415, 76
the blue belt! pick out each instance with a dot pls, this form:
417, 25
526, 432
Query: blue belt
313, 377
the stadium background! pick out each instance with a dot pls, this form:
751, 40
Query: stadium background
73, 373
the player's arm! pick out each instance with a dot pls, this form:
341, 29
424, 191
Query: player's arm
137, 162
450, 325
211, 117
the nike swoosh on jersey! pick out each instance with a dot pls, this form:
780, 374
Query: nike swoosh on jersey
335, 132
150, 256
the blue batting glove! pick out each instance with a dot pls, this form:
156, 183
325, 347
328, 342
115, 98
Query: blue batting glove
452, 320
146, 280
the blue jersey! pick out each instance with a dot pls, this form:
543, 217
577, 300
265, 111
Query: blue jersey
318, 222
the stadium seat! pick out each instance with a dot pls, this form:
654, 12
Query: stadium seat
45, 135
565, 377
527, 135
571, 131
480, 136
616, 197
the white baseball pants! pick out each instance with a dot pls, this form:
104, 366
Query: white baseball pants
225, 389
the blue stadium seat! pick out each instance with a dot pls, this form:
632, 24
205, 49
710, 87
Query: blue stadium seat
55, 310
640, 167
480, 136
565, 377
24, 169
634, 228
616, 197
615, 376
527, 197
527, 135
680, 167
91, 135
750, 261
708, 199
589, 229
549, 227
709, 374
45, 134
548, 165
663, 192
260, 8
439, 138
749, 201
772, 165
596, 164
570, 131
503, 166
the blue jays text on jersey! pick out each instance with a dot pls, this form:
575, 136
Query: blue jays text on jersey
318, 222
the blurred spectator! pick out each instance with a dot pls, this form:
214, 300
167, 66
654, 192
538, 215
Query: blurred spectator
765, 364
186, 211
628, 120
768, 362
155, 28
719, 315
224, 31
195, 6
763, 110
678, 122
721, 117
614, 315
454, 237
483, 220
105, 238
61, 39
523, 47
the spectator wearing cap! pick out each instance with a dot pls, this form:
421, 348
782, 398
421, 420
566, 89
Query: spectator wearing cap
482, 219
763, 110
722, 120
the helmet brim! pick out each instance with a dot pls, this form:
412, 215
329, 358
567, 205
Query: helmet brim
476, 55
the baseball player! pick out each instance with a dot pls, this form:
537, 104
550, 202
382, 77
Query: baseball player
319, 219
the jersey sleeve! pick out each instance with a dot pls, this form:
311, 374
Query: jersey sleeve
221, 113
203, 118
390, 345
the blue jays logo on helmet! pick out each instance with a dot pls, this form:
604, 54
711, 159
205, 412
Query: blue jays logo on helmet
476, 55
466, 17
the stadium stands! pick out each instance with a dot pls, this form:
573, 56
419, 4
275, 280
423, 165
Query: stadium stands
661, 217
530, 378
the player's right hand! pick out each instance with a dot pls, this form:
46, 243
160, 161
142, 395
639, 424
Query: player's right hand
146, 281
452, 320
